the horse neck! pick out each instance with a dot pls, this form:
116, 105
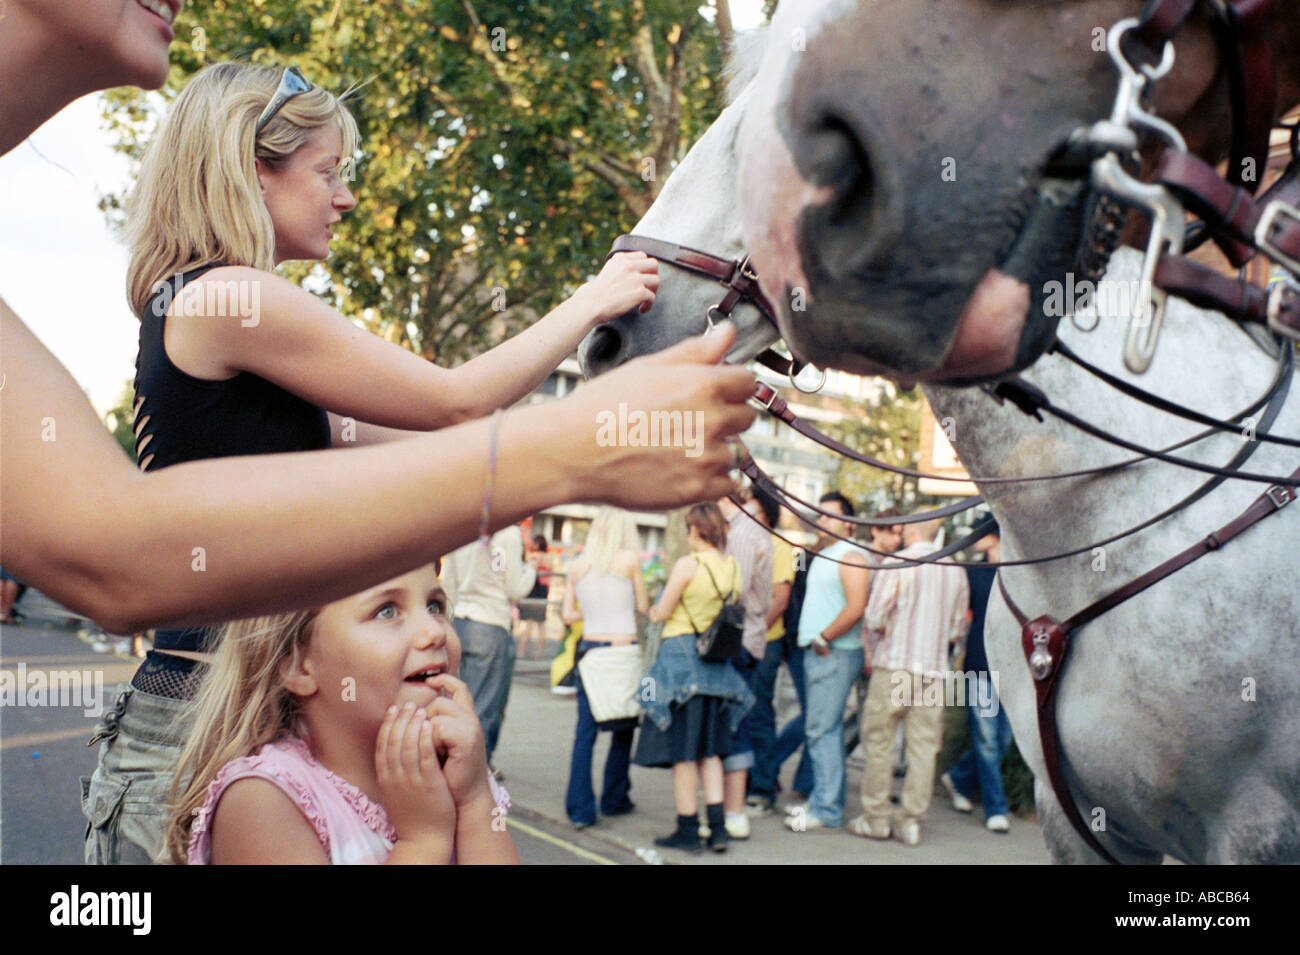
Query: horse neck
1203, 361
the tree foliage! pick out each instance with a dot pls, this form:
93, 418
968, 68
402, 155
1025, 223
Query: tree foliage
119, 418
504, 145
888, 428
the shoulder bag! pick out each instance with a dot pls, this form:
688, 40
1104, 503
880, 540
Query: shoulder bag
723, 638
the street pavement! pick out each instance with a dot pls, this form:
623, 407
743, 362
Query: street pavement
43, 752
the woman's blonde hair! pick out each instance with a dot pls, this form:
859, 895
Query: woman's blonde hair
241, 705
612, 530
197, 199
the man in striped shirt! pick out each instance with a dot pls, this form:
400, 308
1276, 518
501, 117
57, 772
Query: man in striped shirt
921, 610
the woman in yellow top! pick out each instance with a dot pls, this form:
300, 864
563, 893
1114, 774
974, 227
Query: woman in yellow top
694, 707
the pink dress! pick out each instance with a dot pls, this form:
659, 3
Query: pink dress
353, 829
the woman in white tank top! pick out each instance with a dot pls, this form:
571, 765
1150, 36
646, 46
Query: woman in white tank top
604, 590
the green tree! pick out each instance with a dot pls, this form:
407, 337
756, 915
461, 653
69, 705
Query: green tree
504, 144
121, 418
887, 428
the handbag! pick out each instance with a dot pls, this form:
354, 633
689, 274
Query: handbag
724, 637
611, 678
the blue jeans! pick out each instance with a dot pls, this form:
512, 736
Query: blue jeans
580, 800
487, 665
743, 744
791, 738
762, 722
981, 767
830, 679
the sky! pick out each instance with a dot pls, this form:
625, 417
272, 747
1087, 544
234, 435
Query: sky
61, 268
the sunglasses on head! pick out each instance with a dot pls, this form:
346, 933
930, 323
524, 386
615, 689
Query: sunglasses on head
292, 82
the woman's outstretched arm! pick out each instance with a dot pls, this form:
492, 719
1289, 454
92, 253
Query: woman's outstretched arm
292, 338
234, 537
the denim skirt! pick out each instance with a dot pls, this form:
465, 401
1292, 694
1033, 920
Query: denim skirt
698, 730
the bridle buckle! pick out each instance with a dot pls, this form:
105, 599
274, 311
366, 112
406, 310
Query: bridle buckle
1277, 296
760, 390
1280, 495
1274, 211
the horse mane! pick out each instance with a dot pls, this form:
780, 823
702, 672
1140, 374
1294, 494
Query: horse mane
742, 61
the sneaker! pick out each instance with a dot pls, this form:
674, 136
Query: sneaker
737, 826
862, 826
758, 806
797, 809
909, 832
807, 822
623, 810
1000, 824
959, 802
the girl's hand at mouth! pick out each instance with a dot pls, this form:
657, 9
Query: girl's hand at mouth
412, 786
460, 740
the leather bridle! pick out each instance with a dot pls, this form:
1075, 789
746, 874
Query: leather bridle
1231, 215
737, 275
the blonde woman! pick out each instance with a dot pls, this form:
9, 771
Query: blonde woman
694, 707
604, 589
243, 174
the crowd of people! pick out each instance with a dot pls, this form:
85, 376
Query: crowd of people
834, 617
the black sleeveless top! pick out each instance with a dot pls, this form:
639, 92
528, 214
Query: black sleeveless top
182, 418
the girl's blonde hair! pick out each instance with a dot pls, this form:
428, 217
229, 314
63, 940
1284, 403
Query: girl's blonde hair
241, 705
197, 200
611, 531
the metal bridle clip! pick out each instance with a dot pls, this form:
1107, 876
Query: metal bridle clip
1166, 214
1165, 211
821, 381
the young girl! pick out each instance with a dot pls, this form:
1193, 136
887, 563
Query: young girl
696, 706
340, 735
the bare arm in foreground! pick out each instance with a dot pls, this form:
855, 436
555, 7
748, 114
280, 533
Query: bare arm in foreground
234, 537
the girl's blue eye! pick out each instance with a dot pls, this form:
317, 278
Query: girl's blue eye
380, 612
438, 607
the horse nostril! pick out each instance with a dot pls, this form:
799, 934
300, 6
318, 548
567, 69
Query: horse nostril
604, 350
842, 162
842, 151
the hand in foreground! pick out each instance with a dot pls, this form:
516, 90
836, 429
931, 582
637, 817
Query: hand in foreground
460, 740
627, 282
412, 787
698, 405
